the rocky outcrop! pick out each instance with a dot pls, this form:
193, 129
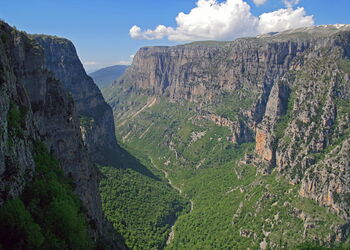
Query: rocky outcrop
34, 106
240, 131
96, 117
305, 123
327, 181
262, 147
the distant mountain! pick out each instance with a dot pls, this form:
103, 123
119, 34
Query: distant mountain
105, 76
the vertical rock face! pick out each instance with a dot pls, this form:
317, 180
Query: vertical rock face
306, 123
97, 123
195, 70
262, 147
327, 181
244, 70
34, 106
297, 83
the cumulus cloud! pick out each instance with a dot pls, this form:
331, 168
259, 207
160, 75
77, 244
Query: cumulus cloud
158, 33
227, 20
260, 2
208, 20
284, 19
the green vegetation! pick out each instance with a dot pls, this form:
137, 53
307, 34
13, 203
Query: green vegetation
86, 121
233, 205
5, 38
317, 246
141, 208
16, 119
48, 215
284, 120
344, 65
230, 104
17, 227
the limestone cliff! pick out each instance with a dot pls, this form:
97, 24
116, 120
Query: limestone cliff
213, 74
97, 123
34, 106
305, 125
288, 91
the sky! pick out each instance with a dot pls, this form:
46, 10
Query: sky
109, 32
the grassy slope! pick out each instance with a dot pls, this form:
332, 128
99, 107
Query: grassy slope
229, 197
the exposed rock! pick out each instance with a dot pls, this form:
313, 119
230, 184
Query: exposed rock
34, 106
262, 148
246, 233
303, 132
245, 69
240, 131
263, 244
327, 181
97, 122
195, 136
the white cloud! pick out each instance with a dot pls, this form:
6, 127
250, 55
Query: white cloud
160, 32
284, 19
260, 2
208, 20
125, 62
290, 3
227, 20
211, 20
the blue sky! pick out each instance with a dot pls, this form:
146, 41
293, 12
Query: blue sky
100, 28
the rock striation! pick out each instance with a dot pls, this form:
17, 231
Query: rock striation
96, 117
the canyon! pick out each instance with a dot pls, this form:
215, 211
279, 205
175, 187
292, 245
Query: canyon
287, 93
217, 145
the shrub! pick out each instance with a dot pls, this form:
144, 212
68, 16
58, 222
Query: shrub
17, 227
16, 120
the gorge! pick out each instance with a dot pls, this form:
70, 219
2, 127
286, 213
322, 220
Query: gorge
206, 145
280, 99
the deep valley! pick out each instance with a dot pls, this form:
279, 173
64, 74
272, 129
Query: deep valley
241, 144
